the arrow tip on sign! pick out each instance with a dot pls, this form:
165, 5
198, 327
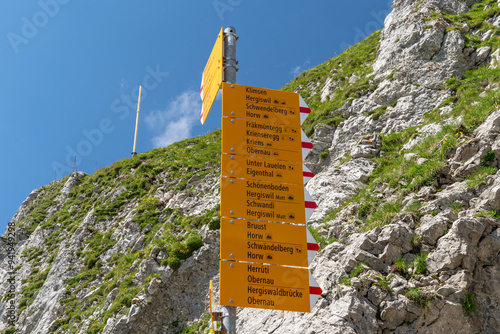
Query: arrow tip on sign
312, 247
307, 174
309, 203
307, 146
304, 110
314, 291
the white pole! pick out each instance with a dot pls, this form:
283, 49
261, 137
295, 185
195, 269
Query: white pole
137, 120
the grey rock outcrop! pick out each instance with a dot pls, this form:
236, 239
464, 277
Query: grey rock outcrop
334, 186
412, 65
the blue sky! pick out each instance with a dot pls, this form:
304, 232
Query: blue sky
70, 72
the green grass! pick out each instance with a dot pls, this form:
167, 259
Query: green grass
38, 207
468, 304
488, 159
141, 176
456, 206
420, 264
196, 328
414, 207
476, 19
322, 240
376, 113
479, 176
324, 154
30, 288
418, 296
407, 176
355, 60
401, 267
358, 269
383, 282
10, 330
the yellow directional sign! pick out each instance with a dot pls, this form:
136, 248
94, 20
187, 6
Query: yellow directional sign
210, 291
260, 104
263, 242
264, 286
261, 169
259, 139
212, 77
260, 200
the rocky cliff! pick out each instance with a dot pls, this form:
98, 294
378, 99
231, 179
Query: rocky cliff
406, 133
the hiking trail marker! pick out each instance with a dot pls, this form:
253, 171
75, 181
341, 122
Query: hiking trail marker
212, 77
264, 242
265, 248
267, 286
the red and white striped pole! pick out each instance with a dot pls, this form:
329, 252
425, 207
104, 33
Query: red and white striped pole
312, 246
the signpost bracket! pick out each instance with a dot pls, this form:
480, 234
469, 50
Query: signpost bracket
217, 316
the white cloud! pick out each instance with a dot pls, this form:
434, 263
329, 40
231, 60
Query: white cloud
295, 71
177, 120
299, 69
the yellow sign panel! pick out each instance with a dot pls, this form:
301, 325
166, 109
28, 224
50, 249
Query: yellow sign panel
261, 169
260, 104
263, 242
211, 309
260, 200
264, 286
212, 77
259, 139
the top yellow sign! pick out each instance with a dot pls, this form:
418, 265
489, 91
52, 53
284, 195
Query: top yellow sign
212, 77
260, 104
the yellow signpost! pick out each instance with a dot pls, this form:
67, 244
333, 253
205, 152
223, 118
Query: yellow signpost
262, 200
259, 139
261, 104
264, 286
265, 248
261, 169
212, 77
211, 309
263, 242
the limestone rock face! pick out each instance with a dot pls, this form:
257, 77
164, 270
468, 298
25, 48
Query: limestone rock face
415, 58
330, 188
432, 228
417, 55
175, 296
427, 56
72, 181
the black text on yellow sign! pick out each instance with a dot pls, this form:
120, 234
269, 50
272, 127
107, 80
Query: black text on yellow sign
264, 286
260, 104
259, 139
263, 242
262, 169
260, 200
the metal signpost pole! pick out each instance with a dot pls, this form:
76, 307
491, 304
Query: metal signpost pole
230, 55
229, 312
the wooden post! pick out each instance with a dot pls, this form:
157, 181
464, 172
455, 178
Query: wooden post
137, 121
